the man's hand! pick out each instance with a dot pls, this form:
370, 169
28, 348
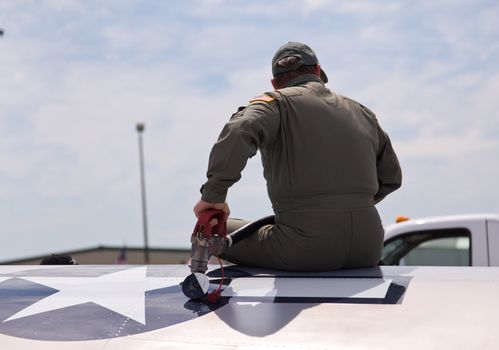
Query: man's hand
202, 206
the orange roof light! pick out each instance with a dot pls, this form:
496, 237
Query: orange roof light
401, 218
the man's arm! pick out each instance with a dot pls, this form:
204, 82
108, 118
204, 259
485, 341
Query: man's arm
388, 167
256, 125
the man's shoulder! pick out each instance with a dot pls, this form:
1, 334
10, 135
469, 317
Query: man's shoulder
266, 97
266, 102
357, 103
350, 100
273, 96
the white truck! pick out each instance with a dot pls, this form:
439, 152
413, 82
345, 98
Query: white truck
458, 240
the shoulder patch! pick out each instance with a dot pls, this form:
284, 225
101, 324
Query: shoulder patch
262, 98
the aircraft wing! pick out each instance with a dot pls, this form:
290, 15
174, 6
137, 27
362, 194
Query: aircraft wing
143, 307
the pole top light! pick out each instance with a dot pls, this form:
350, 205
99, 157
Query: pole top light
140, 127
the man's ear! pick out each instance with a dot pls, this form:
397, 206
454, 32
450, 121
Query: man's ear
274, 83
317, 70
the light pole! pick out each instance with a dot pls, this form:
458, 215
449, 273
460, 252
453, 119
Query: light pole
140, 130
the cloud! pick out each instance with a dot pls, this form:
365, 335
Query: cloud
77, 77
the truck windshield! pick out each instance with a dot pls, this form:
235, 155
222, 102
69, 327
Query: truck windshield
429, 248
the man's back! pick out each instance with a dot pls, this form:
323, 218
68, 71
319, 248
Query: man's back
327, 145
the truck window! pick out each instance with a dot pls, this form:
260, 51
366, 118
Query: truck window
449, 247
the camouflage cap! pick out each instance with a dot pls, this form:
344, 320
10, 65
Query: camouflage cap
304, 56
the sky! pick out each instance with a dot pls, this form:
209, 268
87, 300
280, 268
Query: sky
77, 76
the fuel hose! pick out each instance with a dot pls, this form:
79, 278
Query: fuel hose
249, 229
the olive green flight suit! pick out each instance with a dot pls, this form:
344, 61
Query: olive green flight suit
326, 161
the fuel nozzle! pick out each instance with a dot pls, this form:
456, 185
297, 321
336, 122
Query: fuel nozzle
206, 240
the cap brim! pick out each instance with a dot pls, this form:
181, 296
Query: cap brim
323, 76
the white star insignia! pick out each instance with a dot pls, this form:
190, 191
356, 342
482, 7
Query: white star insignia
122, 292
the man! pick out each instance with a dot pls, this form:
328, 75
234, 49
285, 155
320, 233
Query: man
326, 161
